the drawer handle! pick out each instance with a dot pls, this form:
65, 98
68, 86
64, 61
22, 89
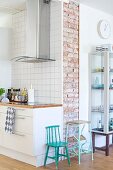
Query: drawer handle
20, 109
18, 134
18, 117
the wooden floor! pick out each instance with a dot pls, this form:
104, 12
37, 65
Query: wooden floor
101, 162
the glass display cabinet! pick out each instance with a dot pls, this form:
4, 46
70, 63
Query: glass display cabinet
101, 92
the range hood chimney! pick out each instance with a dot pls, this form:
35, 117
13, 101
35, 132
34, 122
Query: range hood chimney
37, 32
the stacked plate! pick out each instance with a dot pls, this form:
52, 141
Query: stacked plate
105, 47
102, 48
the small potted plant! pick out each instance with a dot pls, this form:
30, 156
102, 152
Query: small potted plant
2, 91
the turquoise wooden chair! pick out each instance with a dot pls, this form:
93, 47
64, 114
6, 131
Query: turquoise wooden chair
54, 140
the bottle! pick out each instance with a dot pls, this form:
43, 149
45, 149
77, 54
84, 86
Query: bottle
24, 95
97, 81
31, 95
99, 124
111, 83
12, 94
16, 98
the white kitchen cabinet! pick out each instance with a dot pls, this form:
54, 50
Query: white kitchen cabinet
21, 140
27, 144
0, 129
18, 142
23, 121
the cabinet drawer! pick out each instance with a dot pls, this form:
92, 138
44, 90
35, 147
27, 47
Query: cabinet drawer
24, 112
19, 111
3, 109
0, 117
18, 142
22, 124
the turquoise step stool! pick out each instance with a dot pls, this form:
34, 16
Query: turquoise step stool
78, 138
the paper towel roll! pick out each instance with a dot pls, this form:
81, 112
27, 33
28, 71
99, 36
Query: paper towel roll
31, 96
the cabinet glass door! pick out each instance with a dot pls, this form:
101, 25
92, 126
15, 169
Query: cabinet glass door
97, 90
110, 124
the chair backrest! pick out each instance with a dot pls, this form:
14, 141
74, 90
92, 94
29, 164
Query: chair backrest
53, 134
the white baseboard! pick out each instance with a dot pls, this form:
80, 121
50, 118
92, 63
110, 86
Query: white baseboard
32, 160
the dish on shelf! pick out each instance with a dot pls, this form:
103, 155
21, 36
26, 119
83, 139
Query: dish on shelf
111, 70
98, 86
111, 107
111, 86
101, 108
98, 70
101, 70
101, 86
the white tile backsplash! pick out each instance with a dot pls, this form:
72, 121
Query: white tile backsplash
46, 78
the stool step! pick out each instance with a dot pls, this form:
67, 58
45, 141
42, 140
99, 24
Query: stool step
75, 138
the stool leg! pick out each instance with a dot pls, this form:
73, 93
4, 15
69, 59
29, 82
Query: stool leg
47, 150
107, 145
67, 154
58, 154
67, 133
91, 143
79, 149
112, 138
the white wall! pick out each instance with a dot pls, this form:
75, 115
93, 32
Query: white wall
5, 74
5, 50
6, 21
5, 43
89, 38
5, 54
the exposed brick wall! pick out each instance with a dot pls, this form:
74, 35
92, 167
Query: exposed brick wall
71, 61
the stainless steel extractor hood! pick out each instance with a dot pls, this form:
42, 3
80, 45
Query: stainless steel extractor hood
37, 32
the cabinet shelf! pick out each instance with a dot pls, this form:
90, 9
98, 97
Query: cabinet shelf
95, 88
101, 71
101, 87
97, 111
97, 72
101, 130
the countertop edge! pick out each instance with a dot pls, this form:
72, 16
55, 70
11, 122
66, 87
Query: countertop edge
30, 106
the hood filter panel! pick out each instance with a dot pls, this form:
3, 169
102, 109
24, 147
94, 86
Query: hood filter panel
27, 59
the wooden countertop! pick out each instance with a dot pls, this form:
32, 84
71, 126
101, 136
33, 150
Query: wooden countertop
29, 105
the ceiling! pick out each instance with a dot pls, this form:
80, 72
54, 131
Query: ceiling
11, 6
104, 5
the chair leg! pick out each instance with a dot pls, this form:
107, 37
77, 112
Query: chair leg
58, 154
56, 157
47, 150
67, 154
